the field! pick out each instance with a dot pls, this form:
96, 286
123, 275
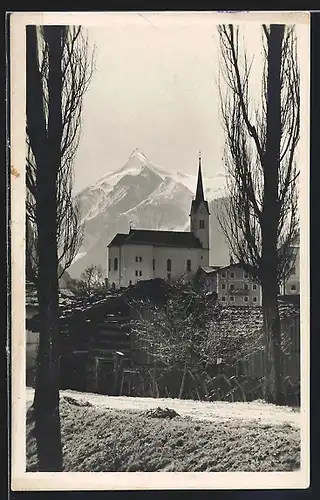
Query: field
100, 438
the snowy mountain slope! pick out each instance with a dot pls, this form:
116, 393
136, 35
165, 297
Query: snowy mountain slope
144, 196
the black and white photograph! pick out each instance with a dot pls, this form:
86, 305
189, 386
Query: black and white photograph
160, 250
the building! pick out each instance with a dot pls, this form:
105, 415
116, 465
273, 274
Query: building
292, 284
233, 285
146, 254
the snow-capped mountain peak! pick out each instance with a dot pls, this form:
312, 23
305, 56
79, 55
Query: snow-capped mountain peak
137, 154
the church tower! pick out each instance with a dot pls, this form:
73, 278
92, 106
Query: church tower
199, 215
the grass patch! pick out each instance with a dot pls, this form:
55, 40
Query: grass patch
105, 440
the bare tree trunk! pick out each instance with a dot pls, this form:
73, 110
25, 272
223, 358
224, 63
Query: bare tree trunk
183, 380
46, 401
273, 354
270, 219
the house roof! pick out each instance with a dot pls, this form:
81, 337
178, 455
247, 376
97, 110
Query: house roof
244, 320
179, 239
209, 269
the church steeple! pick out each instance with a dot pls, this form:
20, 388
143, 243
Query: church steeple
199, 215
199, 199
199, 192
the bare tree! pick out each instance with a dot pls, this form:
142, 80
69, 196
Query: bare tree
91, 282
76, 67
57, 76
178, 331
260, 217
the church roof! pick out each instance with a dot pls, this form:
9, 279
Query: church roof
177, 239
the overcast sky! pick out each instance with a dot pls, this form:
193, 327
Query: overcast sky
155, 89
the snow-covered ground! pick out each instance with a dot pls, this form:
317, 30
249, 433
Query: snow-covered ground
213, 411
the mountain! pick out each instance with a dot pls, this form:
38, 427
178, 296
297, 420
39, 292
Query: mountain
144, 196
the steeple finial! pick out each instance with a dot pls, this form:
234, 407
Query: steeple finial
199, 192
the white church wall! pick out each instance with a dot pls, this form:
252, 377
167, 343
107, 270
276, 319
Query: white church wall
143, 262
179, 257
114, 275
137, 263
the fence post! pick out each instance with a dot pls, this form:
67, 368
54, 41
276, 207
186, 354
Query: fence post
117, 371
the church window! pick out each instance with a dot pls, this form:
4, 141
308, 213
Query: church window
154, 264
201, 224
115, 264
188, 265
169, 276
169, 265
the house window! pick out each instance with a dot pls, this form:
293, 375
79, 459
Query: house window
231, 298
201, 257
293, 287
169, 276
201, 224
109, 265
245, 275
245, 298
140, 273
293, 270
140, 259
246, 286
232, 275
223, 274
188, 265
223, 299
137, 273
231, 288
223, 286
254, 287
254, 299
115, 264
137, 259
169, 265
154, 264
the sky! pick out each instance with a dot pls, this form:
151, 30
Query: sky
154, 88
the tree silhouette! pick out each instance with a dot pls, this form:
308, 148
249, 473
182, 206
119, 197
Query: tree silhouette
58, 72
259, 217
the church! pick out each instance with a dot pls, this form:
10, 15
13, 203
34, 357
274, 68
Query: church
146, 254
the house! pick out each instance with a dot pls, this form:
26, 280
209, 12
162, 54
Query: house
146, 254
292, 285
232, 284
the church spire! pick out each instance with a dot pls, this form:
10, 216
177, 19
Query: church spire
199, 192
